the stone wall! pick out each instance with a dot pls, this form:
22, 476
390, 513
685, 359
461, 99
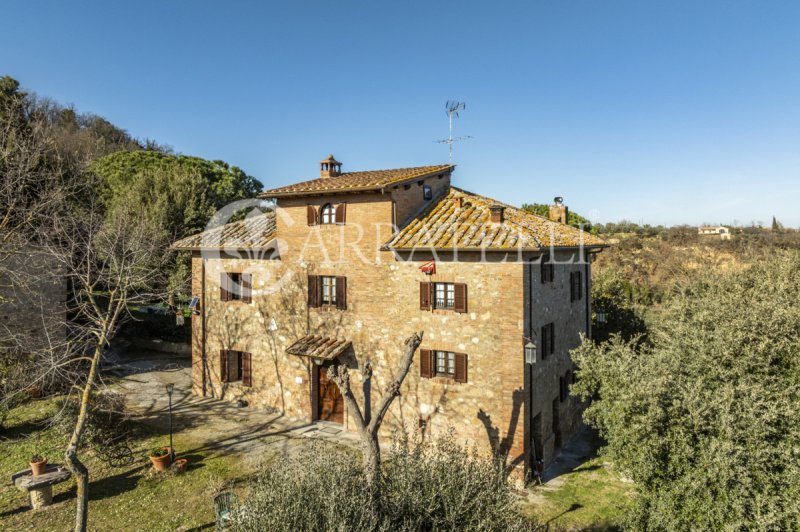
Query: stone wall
492, 409
546, 303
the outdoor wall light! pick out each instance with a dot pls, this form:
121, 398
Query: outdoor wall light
530, 352
601, 315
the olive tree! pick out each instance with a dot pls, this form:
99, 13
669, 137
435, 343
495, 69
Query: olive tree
705, 416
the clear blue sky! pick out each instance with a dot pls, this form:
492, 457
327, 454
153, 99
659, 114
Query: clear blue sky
655, 111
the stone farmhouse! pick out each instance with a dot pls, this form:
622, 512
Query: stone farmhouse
345, 267
719, 231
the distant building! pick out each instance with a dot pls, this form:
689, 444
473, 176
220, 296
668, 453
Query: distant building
720, 231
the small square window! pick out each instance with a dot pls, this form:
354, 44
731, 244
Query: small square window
328, 286
445, 364
444, 295
427, 192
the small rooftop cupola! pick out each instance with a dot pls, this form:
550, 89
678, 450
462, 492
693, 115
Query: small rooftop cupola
330, 167
558, 211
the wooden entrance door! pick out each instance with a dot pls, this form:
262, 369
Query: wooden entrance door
330, 403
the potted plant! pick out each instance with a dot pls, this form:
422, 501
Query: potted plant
160, 458
38, 464
180, 465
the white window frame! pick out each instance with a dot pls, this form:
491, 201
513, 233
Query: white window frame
444, 296
327, 214
446, 360
328, 287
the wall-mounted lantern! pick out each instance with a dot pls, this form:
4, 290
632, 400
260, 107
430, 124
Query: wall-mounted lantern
601, 315
530, 352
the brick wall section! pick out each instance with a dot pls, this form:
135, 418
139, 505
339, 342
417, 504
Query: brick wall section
546, 303
492, 409
197, 326
409, 201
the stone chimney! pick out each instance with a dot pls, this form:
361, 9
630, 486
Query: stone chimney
330, 167
558, 211
498, 213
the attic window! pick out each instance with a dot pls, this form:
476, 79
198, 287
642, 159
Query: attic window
427, 192
328, 214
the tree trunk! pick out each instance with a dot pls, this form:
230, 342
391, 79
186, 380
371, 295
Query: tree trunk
371, 457
369, 430
71, 455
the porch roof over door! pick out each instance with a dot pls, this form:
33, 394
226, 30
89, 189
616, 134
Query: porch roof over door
320, 347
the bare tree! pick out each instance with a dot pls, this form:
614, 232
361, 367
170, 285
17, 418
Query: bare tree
103, 260
111, 260
368, 429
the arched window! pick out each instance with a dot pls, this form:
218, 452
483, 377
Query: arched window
327, 216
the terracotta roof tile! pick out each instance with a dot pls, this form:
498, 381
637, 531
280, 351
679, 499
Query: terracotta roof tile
356, 181
318, 347
446, 225
256, 232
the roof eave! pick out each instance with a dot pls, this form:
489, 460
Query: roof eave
272, 244
589, 247
355, 190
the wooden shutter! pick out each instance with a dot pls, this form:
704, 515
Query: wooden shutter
247, 370
552, 337
572, 286
543, 267
247, 286
544, 346
425, 363
224, 294
460, 293
313, 291
340, 213
425, 296
341, 293
311, 215
461, 367
223, 365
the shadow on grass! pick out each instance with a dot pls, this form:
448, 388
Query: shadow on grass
68, 495
114, 485
23, 430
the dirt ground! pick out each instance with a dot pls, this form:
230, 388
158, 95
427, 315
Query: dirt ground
254, 434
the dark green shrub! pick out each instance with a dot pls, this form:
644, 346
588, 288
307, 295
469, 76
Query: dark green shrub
424, 486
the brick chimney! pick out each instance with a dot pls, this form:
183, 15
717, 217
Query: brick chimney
498, 213
330, 167
558, 211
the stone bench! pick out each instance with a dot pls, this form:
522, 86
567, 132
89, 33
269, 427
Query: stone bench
40, 487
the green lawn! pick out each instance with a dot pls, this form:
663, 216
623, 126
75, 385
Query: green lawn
136, 498
125, 498
592, 498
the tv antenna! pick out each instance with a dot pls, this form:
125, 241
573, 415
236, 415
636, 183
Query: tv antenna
453, 107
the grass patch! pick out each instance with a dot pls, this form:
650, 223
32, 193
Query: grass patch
592, 497
120, 498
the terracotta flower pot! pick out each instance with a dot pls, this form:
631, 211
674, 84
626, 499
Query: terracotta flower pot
38, 468
180, 464
161, 463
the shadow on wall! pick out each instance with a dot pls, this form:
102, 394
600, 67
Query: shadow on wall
502, 447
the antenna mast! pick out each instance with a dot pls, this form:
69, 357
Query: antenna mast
453, 107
